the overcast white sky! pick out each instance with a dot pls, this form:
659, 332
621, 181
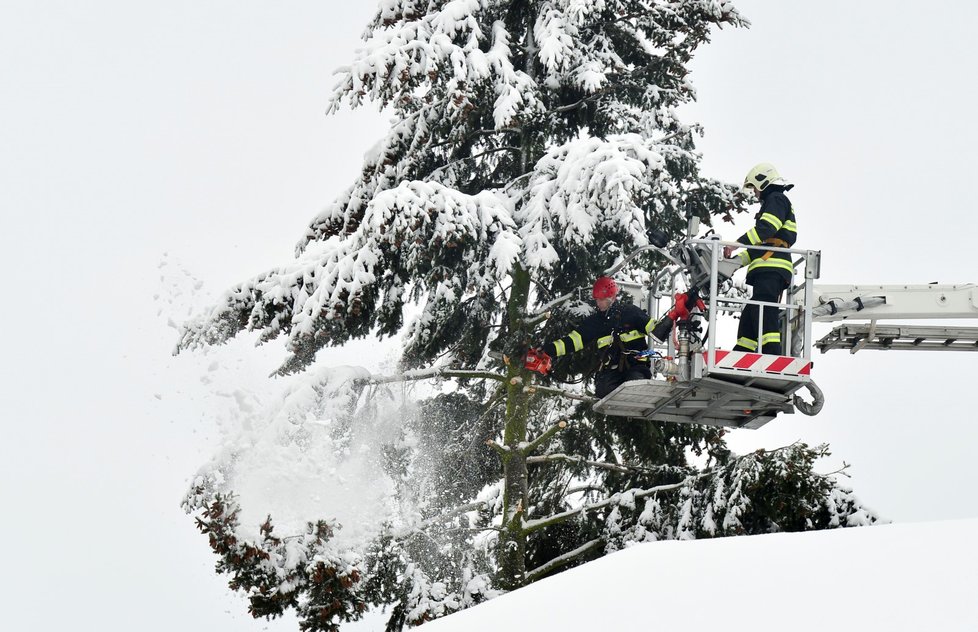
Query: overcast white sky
129, 130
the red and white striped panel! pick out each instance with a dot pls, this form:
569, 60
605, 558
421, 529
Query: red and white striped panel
755, 362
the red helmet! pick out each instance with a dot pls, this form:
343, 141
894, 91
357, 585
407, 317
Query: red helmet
604, 287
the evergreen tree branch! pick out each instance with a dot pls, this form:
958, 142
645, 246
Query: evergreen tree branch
530, 526
623, 82
541, 523
476, 134
545, 309
447, 165
841, 470
424, 374
614, 467
492, 403
517, 179
562, 560
546, 390
471, 529
626, 17
442, 517
570, 491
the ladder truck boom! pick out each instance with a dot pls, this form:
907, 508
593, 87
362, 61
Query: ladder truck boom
874, 303
897, 301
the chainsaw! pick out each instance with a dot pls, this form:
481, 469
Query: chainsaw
537, 360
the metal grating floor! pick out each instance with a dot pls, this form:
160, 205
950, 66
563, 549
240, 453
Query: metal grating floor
731, 401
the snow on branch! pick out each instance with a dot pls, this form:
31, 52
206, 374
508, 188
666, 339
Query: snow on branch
262, 303
434, 372
614, 467
303, 572
456, 245
541, 523
440, 51
743, 468
334, 392
406, 532
589, 184
580, 43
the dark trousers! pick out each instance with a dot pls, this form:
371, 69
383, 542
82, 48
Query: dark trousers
768, 286
609, 379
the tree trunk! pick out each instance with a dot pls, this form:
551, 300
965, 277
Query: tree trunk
512, 541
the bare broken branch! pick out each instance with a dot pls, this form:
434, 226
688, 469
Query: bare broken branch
530, 447
501, 450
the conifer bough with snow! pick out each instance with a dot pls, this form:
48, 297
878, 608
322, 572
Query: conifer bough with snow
533, 144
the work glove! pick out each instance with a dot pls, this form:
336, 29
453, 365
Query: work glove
685, 303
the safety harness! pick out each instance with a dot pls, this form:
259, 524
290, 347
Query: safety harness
777, 243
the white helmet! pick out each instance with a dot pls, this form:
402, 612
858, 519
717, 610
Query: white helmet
762, 175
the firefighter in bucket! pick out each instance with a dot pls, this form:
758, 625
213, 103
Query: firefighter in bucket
621, 333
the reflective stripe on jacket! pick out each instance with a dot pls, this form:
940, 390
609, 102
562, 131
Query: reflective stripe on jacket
774, 224
628, 323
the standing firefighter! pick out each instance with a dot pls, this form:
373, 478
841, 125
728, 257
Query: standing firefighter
768, 272
620, 331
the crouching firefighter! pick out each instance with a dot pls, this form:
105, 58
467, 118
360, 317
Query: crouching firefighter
620, 331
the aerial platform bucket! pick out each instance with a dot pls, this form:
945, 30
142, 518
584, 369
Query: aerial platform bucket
736, 390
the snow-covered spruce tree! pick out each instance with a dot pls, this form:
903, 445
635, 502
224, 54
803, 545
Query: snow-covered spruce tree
533, 143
